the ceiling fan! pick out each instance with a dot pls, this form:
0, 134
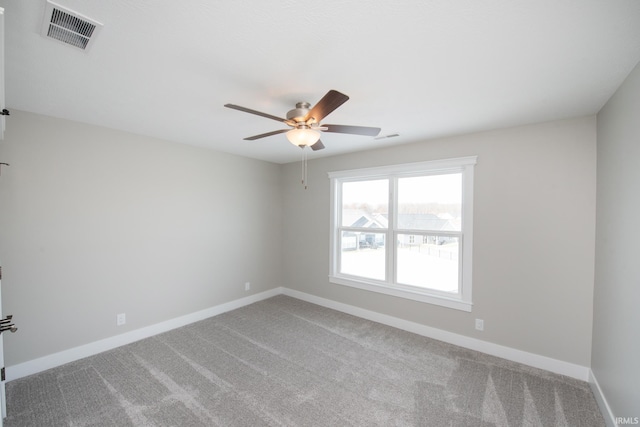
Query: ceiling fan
304, 122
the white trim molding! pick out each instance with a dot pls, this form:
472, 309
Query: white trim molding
607, 413
542, 362
66, 356
535, 360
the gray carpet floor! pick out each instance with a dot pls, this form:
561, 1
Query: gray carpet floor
285, 362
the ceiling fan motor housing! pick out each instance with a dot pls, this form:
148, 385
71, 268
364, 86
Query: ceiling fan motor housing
299, 113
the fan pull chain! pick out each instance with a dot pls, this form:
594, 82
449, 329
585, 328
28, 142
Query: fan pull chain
304, 167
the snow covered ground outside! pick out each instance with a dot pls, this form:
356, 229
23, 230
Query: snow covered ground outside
426, 266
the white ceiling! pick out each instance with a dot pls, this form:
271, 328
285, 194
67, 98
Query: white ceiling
419, 68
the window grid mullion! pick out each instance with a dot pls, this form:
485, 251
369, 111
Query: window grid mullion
420, 232
392, 250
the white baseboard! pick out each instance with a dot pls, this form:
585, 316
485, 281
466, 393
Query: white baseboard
38, 365
607, 413
57, 359
526, 358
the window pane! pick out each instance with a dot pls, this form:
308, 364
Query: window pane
428, 262
432, 202
363, 254
365, 203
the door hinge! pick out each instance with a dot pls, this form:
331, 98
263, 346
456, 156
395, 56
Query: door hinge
2, 375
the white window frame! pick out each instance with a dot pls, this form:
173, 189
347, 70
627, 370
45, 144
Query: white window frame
465, 165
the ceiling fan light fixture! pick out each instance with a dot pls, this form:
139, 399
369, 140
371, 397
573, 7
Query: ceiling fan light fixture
303, 137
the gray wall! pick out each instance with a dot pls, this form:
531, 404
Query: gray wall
95, 222
616, 337
534, 236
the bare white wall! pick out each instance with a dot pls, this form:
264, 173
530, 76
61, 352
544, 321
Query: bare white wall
95, 222
616, 337
534, 234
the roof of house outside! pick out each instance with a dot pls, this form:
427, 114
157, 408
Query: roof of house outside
428, 221
425, 222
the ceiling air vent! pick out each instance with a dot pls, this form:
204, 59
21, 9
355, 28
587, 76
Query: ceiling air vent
69, 27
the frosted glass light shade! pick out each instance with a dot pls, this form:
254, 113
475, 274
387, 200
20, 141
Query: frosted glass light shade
302, 137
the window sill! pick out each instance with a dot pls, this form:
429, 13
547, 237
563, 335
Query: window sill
416, 295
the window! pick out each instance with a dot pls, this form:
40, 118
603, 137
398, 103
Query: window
405, 230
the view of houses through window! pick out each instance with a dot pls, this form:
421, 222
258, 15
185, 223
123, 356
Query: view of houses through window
425, 227
405, 230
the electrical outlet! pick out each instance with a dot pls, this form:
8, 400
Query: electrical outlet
247, 286
121, 319
480, 324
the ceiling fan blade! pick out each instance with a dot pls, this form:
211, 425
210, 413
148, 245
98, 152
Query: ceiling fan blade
317, 146
332, 100
257, 113
354, 130
263, 135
